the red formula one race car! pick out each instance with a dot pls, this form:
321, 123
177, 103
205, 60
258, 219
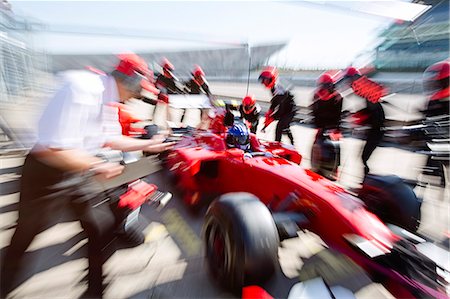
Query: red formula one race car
263, 198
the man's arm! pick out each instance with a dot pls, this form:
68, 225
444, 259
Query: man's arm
128, 144
241, 111
275, 104
75, 160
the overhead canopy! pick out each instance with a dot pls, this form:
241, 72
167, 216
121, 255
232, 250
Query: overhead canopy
398, 10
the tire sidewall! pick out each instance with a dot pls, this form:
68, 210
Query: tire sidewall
253, 236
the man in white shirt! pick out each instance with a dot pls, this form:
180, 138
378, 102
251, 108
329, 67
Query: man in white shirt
74, 127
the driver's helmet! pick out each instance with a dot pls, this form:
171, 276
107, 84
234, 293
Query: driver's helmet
238, 137
436, 80
248, 104
268, 76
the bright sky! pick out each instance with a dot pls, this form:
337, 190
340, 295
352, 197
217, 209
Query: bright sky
318, 36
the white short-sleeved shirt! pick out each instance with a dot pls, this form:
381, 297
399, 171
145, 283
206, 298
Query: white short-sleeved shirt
77, 116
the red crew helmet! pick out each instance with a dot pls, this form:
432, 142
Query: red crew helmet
166, 64
248, 104
352, 71
134, 71
436, 80
325, 79
269, 76
198, 72
130, 63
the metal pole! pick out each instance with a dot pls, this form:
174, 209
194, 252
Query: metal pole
249, 65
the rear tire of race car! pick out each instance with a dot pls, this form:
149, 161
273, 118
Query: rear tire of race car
241, 241
315, 158
325, 158
392, 201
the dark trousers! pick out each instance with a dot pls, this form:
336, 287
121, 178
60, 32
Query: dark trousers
44, 192
374, 137
283, 127
254, 126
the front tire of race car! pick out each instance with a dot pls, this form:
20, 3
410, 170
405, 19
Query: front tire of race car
241, 241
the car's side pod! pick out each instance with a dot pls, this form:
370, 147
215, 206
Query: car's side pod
288, 223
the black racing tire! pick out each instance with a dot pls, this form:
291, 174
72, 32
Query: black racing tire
392, 200
241, 241
315, 157
325, 158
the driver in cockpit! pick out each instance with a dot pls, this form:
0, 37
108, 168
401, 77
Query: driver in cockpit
238, 137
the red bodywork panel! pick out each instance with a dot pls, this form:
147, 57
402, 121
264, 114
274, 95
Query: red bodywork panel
204, 164
137, 194
255, 292
217, 121
276, 148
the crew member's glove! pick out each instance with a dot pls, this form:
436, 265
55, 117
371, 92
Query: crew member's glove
268, 120
361, 117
